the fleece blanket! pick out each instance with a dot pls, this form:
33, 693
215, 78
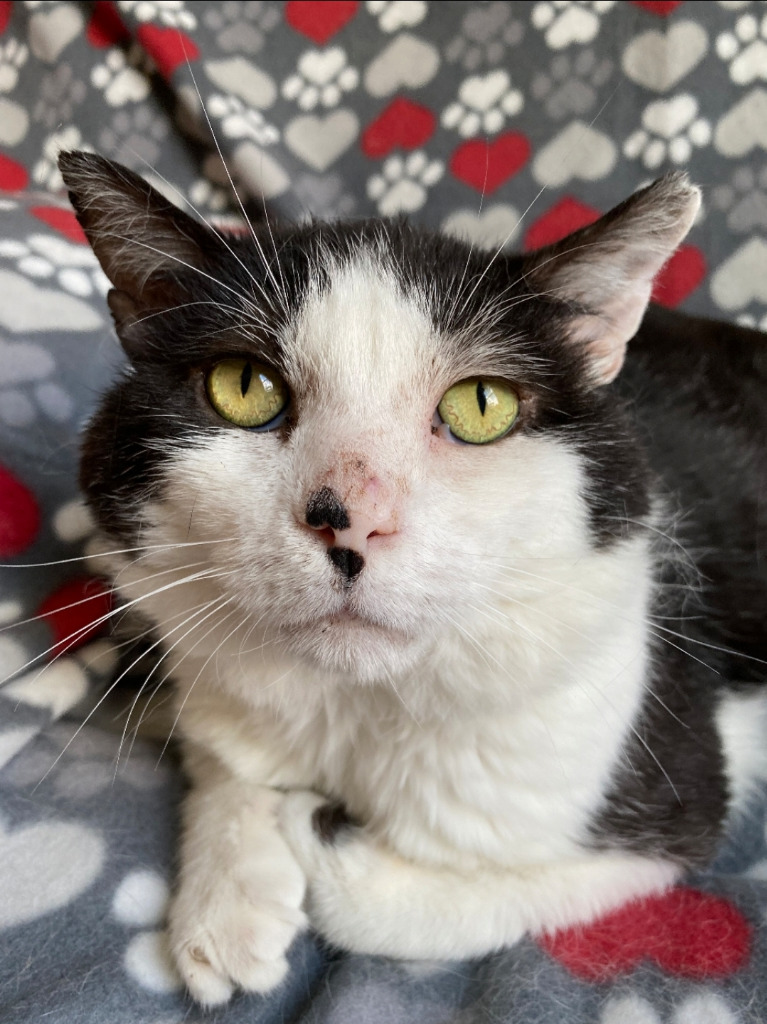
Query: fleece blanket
508, 123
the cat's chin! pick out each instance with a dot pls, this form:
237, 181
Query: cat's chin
355, 647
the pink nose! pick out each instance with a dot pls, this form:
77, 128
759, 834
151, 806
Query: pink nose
349, 528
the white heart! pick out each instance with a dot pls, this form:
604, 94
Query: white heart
744, 126
497, 225
658, 61
319, 141
668, 118
579, 151
46, 866
51, 32
322, 66
483, 92
14, 122
244, 80
406, 62
742, 278
43, 309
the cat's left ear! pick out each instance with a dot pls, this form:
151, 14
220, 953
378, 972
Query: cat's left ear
605, 271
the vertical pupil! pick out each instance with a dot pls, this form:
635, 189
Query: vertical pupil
481, 399
247, 374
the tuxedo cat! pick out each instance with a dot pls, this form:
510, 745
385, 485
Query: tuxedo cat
462, 599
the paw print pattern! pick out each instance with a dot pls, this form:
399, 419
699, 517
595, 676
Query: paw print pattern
242, 27
46, 171
396, 14
745, 49
60, 93
13, 56
324, 195
403, 184
141, 901
170, 12
135, 136
119, 82
72, 266
486, 33
571, 85
670, 130
323, 77
204, 194
483, 104
240, 121
743, 199
564, 22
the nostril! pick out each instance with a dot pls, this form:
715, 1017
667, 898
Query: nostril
326, 534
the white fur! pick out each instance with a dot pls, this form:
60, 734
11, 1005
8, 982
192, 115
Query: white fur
466, 698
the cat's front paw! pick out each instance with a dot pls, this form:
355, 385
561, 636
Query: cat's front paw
234, 931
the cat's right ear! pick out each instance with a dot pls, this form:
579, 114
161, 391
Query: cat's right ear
143, 242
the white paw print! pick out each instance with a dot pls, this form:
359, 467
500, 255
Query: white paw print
759, 324
141, 901
670, 130
169, 12
403, 184
203, 193
46, 171
396, 14
119, 82
13, 56
745, 49
484, 102
323, 77
569, 21
240, 121
47, 257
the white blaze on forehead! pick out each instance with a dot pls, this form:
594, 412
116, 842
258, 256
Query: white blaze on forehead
360, 341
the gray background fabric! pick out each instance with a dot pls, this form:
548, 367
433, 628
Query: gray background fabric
464, 116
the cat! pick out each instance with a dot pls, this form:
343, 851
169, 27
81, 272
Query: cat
461, 596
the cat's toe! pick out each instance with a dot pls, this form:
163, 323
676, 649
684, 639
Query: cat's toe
234, 942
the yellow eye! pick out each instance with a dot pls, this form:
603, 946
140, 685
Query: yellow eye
478, 410
246, 393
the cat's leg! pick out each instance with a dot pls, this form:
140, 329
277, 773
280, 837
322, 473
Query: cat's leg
367, 899
239, 895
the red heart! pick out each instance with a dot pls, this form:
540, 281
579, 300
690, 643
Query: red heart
403, 123
106, 27
168, 47
680, 276
63, 221
486, 165
566, 215
6, 7
75, 612
685, 932
19, 515
660, 7
13, 176
320, 20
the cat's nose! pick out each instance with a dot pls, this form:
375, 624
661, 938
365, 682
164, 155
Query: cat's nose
347, 532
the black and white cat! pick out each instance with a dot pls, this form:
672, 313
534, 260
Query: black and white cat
418, 552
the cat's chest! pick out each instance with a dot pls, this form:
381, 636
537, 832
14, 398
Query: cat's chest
511, 789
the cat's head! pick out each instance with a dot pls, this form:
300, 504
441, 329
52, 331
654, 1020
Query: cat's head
357, 438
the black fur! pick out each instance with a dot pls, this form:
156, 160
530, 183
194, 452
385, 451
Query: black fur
349, 563
325, 508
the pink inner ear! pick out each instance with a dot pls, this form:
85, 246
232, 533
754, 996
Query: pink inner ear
606, 336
